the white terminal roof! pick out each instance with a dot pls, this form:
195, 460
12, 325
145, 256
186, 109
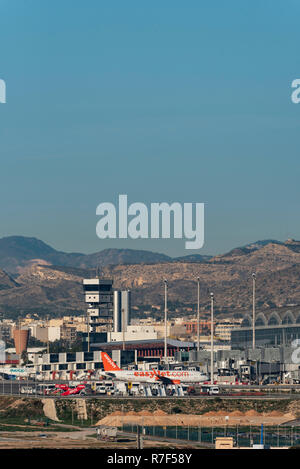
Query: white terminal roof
29, 350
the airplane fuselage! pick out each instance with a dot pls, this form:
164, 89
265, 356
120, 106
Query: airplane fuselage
16, 372
150, 376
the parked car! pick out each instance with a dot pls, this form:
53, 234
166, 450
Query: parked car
101, 390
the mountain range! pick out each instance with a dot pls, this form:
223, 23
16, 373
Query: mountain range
36, 278
17, 252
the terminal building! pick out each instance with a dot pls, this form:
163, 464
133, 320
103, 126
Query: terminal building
73, 365
271, 330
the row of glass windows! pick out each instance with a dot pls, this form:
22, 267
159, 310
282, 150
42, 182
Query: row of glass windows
266, 336
79, 366
97, 288
71, 357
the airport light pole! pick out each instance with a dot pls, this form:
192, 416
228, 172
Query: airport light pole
48, 334
212, 338
88, 329
166, 303
123, 328
198, 316
253, 309
20, 356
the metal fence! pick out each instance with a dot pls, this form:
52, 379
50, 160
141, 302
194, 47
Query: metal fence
245, 436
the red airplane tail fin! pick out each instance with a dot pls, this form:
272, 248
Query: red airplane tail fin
108, 363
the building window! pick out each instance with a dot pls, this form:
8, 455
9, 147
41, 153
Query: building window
63, 366
71, 357
46, 367
88, 356
80, 366
54, 358
105, 288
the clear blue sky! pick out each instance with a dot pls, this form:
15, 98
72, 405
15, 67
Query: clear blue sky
163, 101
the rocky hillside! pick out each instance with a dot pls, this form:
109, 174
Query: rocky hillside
42, 290
58, 289
17, 252
229, 277
6, 281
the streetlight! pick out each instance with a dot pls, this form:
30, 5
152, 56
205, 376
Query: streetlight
253, 310
20, 355
88, 329
198, 316
48, 334
123, 327
212, 338
166, 300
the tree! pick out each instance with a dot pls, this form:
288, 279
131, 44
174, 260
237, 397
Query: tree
24, 357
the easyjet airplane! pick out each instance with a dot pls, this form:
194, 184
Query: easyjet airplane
151, 376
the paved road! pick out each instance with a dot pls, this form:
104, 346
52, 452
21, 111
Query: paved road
13, 387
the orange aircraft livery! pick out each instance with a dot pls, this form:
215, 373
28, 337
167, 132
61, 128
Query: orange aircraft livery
112, 370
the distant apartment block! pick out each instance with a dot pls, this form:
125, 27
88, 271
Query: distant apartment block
68, 334
133, 333
6, 331
223, 329
191, 326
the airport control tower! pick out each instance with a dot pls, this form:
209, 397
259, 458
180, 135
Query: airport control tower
108, 310
99, 298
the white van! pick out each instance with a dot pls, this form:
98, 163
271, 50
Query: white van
210, 390
214, 390
101, 389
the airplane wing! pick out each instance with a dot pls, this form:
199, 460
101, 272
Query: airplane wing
109, 373
165, 380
